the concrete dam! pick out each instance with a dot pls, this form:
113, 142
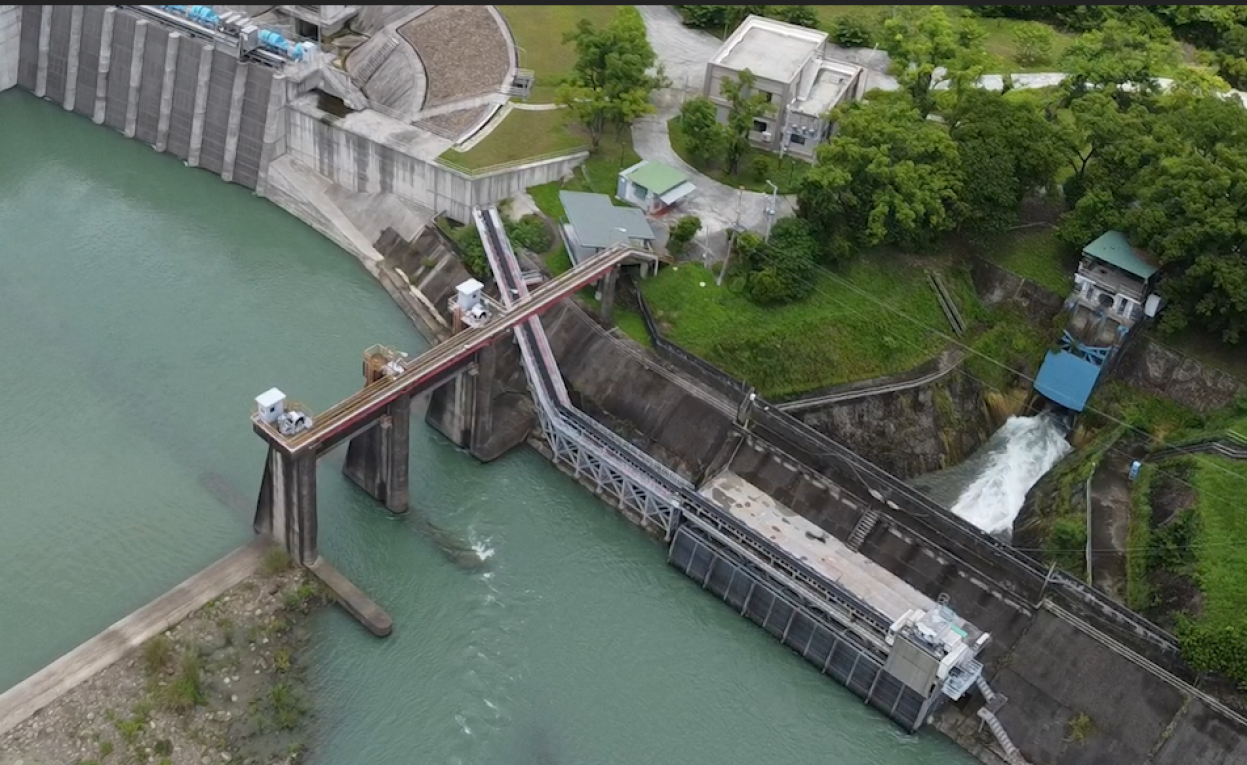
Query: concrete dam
922, 615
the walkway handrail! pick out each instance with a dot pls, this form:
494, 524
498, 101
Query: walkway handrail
826, 399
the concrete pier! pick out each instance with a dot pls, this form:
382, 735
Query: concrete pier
45, 40
201, 104
235, 118
286, 509
377, 459
71, 62
63, 675
106, 59
166, 92
452, 409
136, 77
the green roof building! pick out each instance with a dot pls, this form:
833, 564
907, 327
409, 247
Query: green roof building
1117, 278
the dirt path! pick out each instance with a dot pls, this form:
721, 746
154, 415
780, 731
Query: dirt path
1110, 524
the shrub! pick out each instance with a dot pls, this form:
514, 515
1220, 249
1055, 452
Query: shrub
848, 32
682, 233
530, 233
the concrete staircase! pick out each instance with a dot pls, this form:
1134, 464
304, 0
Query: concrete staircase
373, 59
987, 713
865, 525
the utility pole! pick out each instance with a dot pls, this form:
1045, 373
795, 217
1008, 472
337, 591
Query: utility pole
771, 208
731, 236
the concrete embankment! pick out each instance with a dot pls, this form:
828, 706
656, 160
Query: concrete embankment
45, 686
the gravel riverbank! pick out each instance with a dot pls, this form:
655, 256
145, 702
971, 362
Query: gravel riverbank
224, 685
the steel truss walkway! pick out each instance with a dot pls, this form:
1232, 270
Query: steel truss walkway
642, 485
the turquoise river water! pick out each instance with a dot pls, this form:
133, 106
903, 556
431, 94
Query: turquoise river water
144, 305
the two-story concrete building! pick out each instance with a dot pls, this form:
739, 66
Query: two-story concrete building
792, 70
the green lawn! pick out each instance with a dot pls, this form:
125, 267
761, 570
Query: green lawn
598, 174
999, 43
1221, 549
836, 336
756, 167
1036, 255
522, 135
539, 30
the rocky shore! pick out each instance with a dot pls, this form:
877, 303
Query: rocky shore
224, 685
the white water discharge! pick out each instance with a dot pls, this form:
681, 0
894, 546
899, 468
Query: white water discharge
989, 488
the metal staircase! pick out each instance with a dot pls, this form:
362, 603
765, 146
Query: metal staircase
987, 713
521, 83
865, 525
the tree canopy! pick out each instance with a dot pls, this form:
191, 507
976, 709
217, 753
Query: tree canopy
887, 177
614, 74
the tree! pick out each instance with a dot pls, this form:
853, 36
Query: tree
851, 32
1034, 41
746, 106
922, 40
1008, 150
783, 269
887, 177
611, 81
682, 233
1115, 55
704, 137
801, 15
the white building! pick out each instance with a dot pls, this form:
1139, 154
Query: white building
800, 83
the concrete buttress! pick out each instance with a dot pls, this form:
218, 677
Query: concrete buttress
71, 64
166, 91
106, 60
201, 104
136, 77
45, 40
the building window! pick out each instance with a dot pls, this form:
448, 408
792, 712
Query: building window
769, 96
760, 127
797, 138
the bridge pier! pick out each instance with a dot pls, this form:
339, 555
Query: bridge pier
377, 459
286, 508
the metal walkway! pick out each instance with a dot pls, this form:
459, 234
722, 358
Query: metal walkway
642, 484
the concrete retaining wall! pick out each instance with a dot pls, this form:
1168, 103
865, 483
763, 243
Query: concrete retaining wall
10, 34
1160, 371
369, 152
173, 92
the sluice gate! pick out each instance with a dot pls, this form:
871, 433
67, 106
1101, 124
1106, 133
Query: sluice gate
904, 664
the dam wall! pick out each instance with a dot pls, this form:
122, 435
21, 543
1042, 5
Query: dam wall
372, 153
10, 35
174, 92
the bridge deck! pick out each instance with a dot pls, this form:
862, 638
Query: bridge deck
818, 549
342, 419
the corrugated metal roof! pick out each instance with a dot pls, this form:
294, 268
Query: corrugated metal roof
1113, 248
655, 176
1067, 379
600, 224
